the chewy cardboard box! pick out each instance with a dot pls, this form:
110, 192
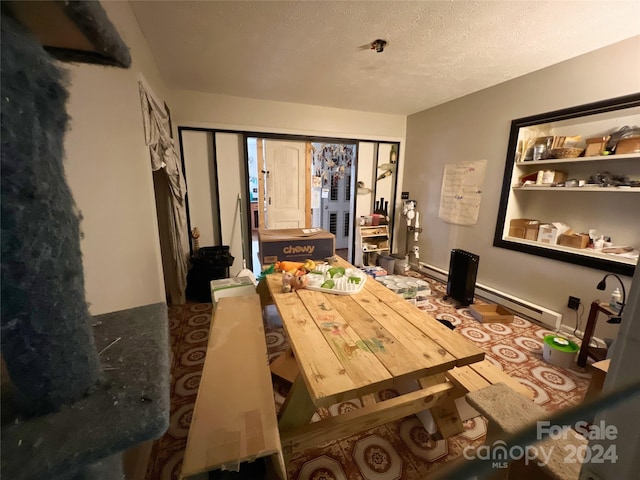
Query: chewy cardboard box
549, 233
524, 228
295, 244
231, 287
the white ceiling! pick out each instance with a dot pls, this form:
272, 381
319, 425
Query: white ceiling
316, 52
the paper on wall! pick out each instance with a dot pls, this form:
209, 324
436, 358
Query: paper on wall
461, 192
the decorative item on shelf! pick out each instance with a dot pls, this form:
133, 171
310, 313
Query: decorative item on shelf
619, 135
393, 155
384, 174
195, 235
628, 145
621, 302
566, 152
596, 146
362, 189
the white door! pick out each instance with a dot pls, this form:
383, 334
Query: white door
285, 184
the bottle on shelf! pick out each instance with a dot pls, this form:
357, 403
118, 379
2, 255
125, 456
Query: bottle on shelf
615, 303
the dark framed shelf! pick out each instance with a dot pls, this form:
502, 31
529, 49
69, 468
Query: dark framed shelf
622, 105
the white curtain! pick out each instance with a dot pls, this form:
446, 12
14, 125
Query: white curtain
163, 156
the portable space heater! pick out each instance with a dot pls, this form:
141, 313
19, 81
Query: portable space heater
463, 270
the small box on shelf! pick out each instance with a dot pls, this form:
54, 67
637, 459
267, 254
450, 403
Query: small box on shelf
574, 240
549, 233
526, 228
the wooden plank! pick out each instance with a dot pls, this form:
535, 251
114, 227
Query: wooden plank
434, 358
231, 427
307, 176
389, 349
298, 408
459, 347
493, 375
261, 169
325, 377
369, 399
285, 366
364, 418
467, 379
445, 414
354, 353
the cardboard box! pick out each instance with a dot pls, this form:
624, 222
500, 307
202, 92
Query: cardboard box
524, 228
295, 244
599, 372
231, 287
549, 233
491, 313
574, 240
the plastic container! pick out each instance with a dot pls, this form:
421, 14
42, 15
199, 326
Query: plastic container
559, 351
400, 265
387, 262
615, 303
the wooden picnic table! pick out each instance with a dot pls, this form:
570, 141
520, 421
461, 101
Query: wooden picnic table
351, 346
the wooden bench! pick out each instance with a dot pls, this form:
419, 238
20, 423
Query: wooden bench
469, 378
234, 417
508, 411
479, 375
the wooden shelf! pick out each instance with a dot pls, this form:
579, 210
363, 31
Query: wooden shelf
578, 189
599, 158
585, 252
608, 214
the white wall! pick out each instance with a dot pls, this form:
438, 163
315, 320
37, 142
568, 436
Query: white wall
194, 109
108, 170
197, 148
477, 127
229, 150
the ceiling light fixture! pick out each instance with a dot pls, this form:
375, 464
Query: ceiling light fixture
378, 45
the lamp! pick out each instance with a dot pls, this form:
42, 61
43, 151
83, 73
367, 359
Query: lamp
603, 284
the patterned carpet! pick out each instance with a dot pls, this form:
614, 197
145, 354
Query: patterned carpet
398, 450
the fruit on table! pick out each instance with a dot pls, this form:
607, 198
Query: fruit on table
335, 270
288, 266
328, 284
309, 265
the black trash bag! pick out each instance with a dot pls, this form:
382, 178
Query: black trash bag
209, 263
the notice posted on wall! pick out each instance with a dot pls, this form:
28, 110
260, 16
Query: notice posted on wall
461, 192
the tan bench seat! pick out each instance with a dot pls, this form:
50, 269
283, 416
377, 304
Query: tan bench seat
507, 412
234, 418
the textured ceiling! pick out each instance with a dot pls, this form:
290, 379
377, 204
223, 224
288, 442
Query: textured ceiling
316, 52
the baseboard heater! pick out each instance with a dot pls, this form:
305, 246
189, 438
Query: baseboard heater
542, 315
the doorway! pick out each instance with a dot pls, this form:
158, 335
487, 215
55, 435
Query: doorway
332, 186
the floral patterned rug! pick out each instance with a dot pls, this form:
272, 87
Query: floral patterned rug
403, 449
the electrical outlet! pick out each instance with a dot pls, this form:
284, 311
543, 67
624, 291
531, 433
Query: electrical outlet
573, 303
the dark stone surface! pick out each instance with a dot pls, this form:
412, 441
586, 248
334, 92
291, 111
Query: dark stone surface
128, 407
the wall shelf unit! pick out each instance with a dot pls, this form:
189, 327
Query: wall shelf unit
371, 242
599, 207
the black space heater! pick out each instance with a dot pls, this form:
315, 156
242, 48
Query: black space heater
463, 270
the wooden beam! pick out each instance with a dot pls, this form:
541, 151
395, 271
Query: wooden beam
307, 436
493, 375
307, 185
261, 169
298, 408
467, 379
